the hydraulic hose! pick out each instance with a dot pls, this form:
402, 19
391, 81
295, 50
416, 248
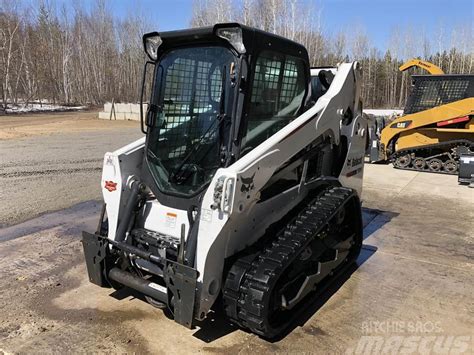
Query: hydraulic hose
191, 242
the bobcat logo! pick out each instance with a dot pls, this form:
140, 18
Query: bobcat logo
247, 183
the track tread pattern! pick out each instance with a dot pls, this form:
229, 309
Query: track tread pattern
245, 301
448, 145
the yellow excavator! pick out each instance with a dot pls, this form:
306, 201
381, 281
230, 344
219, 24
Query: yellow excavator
437, 125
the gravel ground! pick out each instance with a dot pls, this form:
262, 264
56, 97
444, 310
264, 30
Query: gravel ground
53, 162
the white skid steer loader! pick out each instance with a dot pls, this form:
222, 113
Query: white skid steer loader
245, 188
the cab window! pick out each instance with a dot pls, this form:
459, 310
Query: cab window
277, 92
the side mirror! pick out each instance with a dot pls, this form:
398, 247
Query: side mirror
142, 121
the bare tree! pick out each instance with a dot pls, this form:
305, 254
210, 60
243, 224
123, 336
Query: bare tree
10, 24
86, 55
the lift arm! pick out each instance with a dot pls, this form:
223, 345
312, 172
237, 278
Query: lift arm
430, 67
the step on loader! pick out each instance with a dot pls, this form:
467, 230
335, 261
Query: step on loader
244, 191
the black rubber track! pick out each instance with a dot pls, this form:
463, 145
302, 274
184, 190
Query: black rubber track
252, 278
427, 149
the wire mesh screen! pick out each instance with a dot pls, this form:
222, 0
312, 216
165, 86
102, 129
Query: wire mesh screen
277, 93
289, 86
184, 145
277, 80
265, 82
432, 91
216, 85
190, 90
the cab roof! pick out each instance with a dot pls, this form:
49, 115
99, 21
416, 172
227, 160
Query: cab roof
254, 40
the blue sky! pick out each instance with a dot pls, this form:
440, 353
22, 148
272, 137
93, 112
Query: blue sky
378, 18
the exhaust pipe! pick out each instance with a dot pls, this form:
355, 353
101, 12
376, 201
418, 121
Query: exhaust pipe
141, 285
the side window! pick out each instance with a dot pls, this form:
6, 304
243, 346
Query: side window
277, 93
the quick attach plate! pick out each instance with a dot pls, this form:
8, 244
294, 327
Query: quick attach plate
181, 282
95, 251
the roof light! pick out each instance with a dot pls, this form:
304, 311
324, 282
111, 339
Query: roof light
233, 35
152, 41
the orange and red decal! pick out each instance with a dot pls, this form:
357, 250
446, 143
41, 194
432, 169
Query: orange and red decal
110, 185
454, 120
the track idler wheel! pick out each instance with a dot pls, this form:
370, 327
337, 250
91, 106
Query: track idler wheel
450, 166
419, 163
435, 164
403, 161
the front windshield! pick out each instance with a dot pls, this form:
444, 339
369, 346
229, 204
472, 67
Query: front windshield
190, 92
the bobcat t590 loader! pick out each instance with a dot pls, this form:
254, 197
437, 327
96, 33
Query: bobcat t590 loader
245, 188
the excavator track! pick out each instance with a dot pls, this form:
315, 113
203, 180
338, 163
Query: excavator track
267, 289
440, 158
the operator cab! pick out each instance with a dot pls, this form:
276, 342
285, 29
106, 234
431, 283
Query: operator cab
217, 93
430, 91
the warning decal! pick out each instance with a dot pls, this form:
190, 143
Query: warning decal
170, 220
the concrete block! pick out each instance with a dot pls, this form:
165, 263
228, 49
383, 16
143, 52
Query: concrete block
135, 108
123, 108
107, 107
123, 111
120, 115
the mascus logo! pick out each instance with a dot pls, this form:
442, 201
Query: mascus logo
110, 185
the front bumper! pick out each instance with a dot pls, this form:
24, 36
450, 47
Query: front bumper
179, 294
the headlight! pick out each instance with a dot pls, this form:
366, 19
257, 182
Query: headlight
233, 35
152, 41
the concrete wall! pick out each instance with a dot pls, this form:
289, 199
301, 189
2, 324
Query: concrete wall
122, 111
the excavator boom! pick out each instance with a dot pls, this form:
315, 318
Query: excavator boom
429, 67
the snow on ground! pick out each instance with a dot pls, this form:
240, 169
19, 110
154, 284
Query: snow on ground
383, 112
36, 107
